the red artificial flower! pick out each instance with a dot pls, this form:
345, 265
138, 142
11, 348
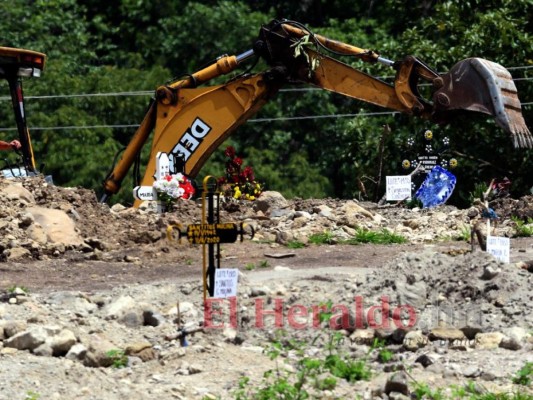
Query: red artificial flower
249, 173
188, 188
231, 169
230, 152
237, 161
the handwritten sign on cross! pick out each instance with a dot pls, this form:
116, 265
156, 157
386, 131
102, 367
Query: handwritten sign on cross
210, 234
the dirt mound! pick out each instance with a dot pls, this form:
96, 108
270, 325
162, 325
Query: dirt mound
472, 289
507, 208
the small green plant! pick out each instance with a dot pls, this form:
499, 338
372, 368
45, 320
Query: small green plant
31, 395
523, 229
188, 261
414, 203
423, 391
377, 237
264, 264
464, 234
350, 370
118, 357
525, 375
469, 391
249, 267
478, 192
13, 288
384, 354
325, 237
295, 244
311, 373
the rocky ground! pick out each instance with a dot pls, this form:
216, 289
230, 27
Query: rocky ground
90, 297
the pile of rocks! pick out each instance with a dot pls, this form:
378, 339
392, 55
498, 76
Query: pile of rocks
39, 220
472, 312
66, 335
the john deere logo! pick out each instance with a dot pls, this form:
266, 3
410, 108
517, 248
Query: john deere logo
190, 140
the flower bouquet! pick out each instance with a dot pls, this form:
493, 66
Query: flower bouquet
239, 183
173, 187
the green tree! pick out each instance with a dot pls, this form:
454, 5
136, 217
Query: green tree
114, 48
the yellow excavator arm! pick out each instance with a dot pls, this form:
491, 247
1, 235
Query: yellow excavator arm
190, 121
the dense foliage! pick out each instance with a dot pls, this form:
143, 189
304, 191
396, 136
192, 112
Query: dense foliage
303, 143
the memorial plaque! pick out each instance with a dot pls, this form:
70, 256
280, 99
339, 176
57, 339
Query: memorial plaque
212, 233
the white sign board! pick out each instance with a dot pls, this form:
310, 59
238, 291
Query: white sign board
144, 193
226, 282
399, 187
499, 247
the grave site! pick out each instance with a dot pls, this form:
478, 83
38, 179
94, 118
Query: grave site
90, 300
222, 288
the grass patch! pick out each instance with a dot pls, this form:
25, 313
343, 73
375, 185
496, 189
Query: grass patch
376, 237
13, 289
469, 391
523, 229
464, 234
118, 357
249, 267
525, 375
309, 374
31, 395
361, 236
325, 237
384, 354
295, 244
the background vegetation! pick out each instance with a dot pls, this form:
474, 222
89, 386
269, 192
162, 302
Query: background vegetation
106, 58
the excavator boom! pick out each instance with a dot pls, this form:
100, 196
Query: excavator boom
190, 121
14, 65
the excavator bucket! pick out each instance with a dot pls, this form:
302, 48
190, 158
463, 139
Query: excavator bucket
480, 85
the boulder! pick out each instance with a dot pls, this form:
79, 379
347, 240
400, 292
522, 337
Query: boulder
62, 342
77, 352
270, 200
489, 340
59, 227
99, 352
11, 328
29, 339
414, 340
16, 191
142, 350
447, 334
397, 383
